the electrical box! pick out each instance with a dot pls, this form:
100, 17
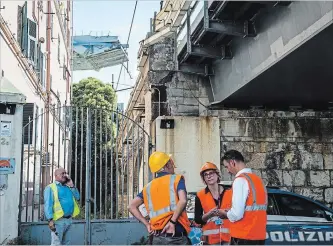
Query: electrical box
11, 117
167, 124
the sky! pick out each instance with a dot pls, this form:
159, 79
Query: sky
114, 17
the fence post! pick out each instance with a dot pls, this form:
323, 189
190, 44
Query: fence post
88, 176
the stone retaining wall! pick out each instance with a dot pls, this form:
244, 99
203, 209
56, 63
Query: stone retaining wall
292, 150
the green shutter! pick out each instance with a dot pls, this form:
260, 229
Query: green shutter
19, 26
24, 37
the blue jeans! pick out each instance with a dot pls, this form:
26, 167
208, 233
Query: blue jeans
63, 238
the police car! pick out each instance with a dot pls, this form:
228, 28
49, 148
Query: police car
293, 219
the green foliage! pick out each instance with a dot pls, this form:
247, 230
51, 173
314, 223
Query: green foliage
93, 93
100, 98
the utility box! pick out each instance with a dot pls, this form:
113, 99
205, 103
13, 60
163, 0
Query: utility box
11, 116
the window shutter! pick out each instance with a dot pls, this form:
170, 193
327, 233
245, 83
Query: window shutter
40, 64
32, 45
28, 111
19, 26
24, 37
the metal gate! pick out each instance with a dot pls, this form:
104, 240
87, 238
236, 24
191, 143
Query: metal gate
104, 152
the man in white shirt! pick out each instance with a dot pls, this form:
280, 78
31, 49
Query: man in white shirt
249, 203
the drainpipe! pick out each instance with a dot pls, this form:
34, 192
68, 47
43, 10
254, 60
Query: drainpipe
72, 51
48, 85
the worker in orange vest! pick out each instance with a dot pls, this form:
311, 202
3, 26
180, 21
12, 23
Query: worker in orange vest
209, 203
248, 217
165, 199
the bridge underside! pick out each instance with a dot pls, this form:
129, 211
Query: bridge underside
302, 79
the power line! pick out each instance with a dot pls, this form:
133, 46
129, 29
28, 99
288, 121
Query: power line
129, 34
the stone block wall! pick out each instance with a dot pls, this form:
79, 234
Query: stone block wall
292, 150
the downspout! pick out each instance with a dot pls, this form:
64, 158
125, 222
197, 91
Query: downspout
72, 50
67, 51
48, 83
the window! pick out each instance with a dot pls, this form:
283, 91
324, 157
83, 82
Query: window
27, 34
41, 66
40, 7
32, 41
34, 6
329, 215
271, 207
296, 206
28, 115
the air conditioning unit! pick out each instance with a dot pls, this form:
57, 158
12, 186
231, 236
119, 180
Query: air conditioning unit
32, 42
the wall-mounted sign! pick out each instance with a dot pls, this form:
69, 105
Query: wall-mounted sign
7, 165
5, 128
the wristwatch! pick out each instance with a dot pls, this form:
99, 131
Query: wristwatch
171, 221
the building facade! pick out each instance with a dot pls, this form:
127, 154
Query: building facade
35, 60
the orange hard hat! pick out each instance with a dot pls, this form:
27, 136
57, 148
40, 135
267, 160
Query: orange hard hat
208, 166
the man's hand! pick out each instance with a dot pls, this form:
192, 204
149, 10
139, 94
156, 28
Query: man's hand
52, 226
150, 231
70, 182
222, 213
169, 228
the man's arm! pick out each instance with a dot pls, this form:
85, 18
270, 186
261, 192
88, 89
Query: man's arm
48, 203
240, 192
76, 193
181, 205
134, 210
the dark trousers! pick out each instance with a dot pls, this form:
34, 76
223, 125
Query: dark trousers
239, 241
163, 240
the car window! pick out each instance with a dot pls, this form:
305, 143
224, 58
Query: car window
296, 206
329, 215
271, 207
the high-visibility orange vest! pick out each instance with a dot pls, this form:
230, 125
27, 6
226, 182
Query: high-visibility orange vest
214, 234
253, 224
160, 198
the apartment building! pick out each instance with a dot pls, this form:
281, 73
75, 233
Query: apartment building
35, 60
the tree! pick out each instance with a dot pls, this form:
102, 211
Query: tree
100, 98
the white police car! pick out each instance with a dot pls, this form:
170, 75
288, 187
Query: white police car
295, 220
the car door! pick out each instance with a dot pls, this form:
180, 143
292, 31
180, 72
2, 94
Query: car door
277, 224
309, 222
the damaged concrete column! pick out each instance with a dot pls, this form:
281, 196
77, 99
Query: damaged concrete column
178, 93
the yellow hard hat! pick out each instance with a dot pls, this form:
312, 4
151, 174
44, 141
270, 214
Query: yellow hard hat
157, 160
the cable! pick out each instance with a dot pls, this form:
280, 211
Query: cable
129, 34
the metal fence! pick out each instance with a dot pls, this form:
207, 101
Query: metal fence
106, 160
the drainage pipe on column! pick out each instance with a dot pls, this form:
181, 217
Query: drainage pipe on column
48, 86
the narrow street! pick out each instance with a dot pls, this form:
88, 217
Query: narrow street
90, 90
